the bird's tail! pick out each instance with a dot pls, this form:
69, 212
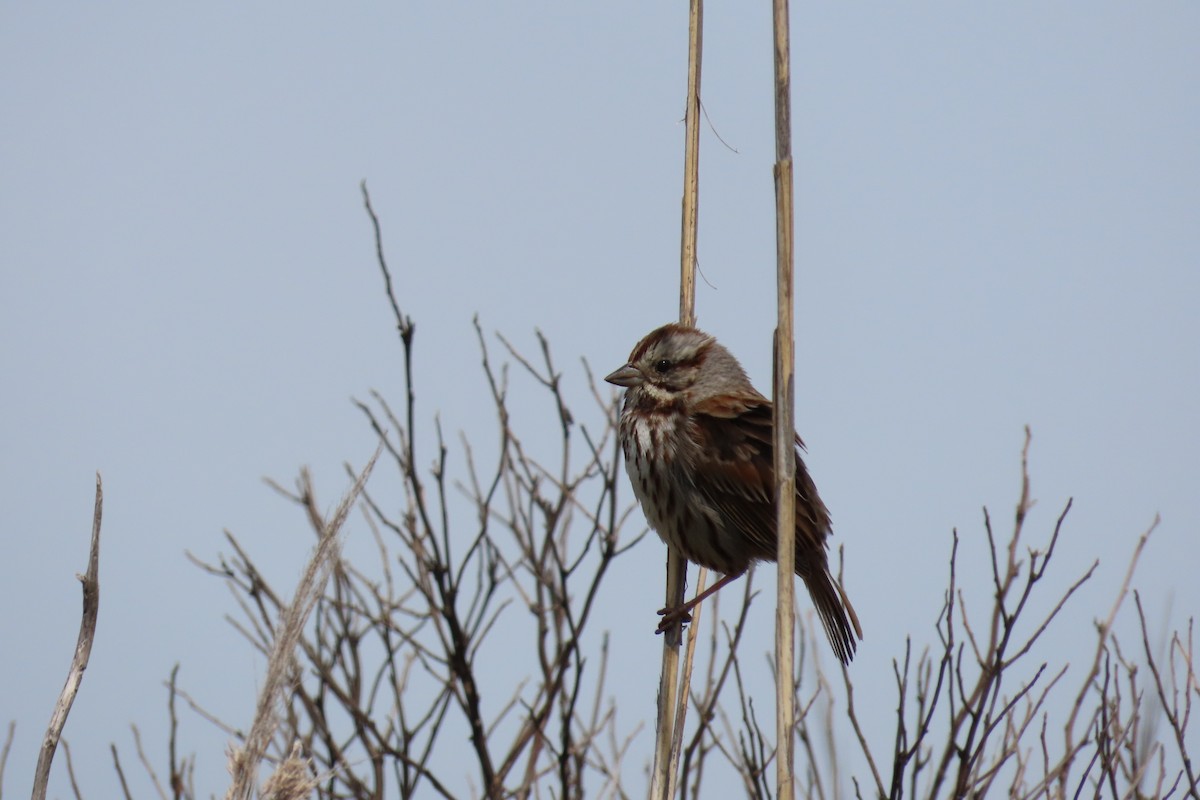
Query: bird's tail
836, 612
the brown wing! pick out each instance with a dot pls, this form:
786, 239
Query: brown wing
736, 472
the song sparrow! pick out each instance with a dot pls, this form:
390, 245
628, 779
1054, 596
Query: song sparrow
697, 442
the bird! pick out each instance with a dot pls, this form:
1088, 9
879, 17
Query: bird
698, 447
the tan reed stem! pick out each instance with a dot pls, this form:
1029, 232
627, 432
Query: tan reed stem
671, 717
784, 394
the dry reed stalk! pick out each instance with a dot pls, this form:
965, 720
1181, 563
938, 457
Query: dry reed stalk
243, 761
685, 683
668, 732
784, 393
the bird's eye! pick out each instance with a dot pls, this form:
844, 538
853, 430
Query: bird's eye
662, 365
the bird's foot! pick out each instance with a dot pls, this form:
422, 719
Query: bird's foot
672, 617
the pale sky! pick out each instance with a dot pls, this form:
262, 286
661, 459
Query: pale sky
998, 224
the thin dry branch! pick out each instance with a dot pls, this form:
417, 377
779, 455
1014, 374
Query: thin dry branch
71, 770
83, 651
1071, 744
4, 751
120, 773
145, 761
1168, 704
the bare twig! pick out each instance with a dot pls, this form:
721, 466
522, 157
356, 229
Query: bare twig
71, 770
120, 773
173, 766
1103, 629
4, 751
1177, 723
83, 651
146, 765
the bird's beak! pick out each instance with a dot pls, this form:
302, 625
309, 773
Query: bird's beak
628, 375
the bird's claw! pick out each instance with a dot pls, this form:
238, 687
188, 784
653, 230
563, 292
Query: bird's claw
672, 617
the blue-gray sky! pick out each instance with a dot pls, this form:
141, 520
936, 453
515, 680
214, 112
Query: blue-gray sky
998, 225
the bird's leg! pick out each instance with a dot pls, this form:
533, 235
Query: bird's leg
680, 614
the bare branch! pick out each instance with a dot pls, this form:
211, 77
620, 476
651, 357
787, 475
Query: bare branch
83, 651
